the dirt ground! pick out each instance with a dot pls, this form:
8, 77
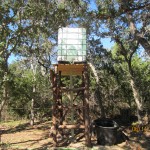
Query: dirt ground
24, 137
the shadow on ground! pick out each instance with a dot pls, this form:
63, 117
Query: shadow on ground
27, 126
43, 141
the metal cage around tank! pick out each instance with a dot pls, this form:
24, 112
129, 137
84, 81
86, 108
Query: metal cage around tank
72, 45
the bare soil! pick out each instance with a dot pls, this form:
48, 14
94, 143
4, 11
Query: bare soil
25, 137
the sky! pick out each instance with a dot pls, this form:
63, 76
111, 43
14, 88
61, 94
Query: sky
12, 58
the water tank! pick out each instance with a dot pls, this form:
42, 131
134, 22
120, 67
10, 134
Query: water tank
71, 45
106, 131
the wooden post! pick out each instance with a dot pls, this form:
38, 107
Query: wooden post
54, 107
77, 126
86, 108
59, 93
71, 101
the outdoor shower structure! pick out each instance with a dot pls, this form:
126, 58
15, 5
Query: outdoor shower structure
72, 64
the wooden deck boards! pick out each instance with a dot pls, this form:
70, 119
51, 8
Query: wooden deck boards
70, 69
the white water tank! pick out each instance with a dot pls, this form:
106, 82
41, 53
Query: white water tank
71, 45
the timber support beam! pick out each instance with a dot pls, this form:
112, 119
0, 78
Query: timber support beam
60, 111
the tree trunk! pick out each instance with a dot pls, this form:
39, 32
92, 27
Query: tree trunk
135, 90
137, 99
99, 99
33, 68
4, 100
5, 88
32, 110
97, 91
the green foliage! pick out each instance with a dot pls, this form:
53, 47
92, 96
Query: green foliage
21, 91
142, 71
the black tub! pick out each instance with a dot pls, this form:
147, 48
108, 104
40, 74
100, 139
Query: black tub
106, 131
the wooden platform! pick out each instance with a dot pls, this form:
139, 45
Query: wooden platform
70, 69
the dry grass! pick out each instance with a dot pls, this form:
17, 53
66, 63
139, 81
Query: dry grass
20, 135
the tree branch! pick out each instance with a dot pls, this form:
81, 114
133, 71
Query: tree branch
122, 11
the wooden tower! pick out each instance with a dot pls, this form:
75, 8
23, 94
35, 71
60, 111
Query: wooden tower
60, 110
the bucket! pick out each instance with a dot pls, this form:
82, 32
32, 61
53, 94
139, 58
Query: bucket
106, 131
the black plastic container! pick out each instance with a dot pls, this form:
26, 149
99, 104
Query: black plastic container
106, 131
